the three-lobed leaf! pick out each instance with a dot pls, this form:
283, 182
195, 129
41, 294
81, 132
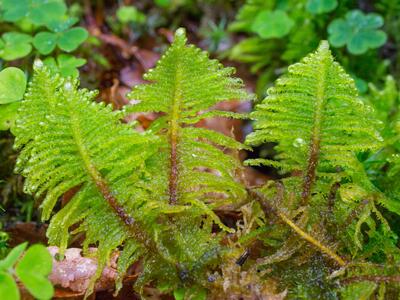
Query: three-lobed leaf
321, 6
67, 40
14, 45
272, 24
38, 12
358, 31
33, 269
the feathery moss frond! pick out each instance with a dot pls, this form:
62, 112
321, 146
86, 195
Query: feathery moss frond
314, 115
61, 134
185, 86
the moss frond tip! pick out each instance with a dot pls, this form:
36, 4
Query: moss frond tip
180, 36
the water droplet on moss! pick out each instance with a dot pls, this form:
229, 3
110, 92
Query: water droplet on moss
299, 142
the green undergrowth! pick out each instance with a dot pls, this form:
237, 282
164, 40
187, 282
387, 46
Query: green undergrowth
324, 230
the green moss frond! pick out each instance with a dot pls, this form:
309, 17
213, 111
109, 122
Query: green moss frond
185, 86
314, 114
67, 140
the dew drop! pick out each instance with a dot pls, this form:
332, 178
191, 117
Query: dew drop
299, 142
38, 64
68, 86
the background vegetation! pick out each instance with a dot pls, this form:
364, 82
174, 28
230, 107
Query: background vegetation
109, 45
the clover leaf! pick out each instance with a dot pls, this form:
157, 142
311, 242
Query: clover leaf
8, 287
272, 24
12, 257
31, 268
12, 85
66, 65
66, 38
8, 114
39, 12
12, 89
126, 14
14, 45
358, 31
321, 6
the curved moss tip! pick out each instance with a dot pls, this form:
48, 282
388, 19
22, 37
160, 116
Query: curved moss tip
37, 64
180, 36
323, 45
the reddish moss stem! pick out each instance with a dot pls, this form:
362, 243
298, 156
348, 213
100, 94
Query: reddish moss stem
173, 177
174, 137
310, 176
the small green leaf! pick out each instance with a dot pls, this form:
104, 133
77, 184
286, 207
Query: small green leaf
36, 260
127, 14
12, 85
45, 42
8, 287
8, 113
38, 12
272, 24
12, 257
61, 25
358, 31
16, 45
66, 65
179, 294
14, 12
163, 3
321, 6
71, 39
43, 11
33, 269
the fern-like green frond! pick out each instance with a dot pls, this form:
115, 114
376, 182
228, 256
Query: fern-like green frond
316, 117
185, 86
66, 141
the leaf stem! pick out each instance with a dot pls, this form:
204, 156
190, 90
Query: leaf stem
174, 137
102, 186
268, 209
315, 143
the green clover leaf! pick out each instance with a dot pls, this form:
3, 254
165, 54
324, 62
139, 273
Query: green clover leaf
358, 31
33, 269
66, 65
272, 24
8, 114
321, 6
12, 89
12, 257
126, 14
67, 40
39, 12
62, 24
70, 39
8, 287
45, 42
12, 85
15, 45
